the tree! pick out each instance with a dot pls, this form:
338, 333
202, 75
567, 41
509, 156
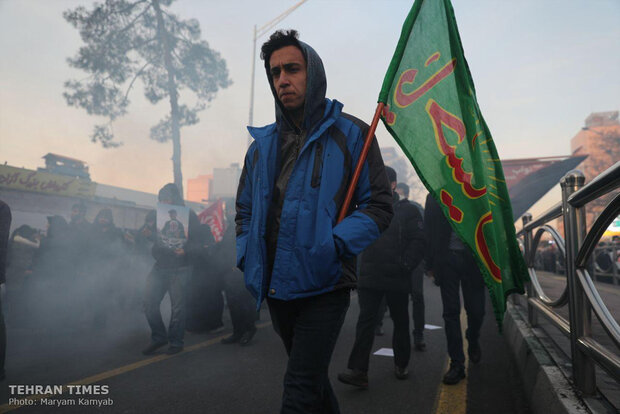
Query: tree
141, 39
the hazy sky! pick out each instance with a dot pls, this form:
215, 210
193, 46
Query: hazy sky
540, 68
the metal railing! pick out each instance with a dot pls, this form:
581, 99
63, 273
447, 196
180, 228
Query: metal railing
580, 293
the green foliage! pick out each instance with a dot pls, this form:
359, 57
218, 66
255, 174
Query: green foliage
123, 42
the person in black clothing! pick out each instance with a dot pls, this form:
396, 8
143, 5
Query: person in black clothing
52, 276
417, 284
385, 271
205, 303
144, 238
52, 258
80, 228
104, 231
80, 234
139, 244
170, 274
23, 246
451, 264
240, 302
105, 268
78, 218
5, 226
52, 261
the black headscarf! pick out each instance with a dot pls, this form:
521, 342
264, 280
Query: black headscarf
171, 192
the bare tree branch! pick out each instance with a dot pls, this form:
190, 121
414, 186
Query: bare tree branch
134, 79
128, 8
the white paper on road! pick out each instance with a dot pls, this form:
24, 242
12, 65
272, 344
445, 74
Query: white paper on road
385, 352
431, 327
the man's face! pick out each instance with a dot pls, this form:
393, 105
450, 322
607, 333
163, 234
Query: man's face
288, 72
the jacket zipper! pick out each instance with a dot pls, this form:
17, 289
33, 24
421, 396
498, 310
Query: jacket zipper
318, 164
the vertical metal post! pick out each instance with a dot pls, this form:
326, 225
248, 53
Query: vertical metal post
251, 117
614, 265
532, 316
579, 309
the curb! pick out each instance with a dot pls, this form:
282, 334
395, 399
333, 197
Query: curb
546, 387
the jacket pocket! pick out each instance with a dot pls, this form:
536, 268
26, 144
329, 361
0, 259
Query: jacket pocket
318, 166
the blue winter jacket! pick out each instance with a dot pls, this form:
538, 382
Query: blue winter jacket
314, 255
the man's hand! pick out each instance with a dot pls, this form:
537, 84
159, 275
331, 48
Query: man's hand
179, 252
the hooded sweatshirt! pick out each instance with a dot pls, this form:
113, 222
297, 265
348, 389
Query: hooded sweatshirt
292, 138
293, 183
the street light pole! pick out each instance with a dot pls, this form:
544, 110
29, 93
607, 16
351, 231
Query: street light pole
251, 117
257, 34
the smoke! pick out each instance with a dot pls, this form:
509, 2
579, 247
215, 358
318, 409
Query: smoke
79, 294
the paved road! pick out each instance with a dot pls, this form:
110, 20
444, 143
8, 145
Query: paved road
214, 378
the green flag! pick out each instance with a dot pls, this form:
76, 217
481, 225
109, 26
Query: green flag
432, 112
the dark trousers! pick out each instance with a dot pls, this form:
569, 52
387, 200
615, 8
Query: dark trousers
472, 284
370, 303
417, 303
240, 303
158, 282
205, 303
2, 342
382, 310
309, 328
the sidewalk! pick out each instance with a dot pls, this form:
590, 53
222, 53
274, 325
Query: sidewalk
555, 347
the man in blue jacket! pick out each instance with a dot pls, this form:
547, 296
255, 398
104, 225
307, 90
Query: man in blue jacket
289, 246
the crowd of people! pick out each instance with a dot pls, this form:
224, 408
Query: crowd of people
81, 270
80, 275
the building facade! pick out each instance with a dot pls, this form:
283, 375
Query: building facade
599, 139
198, 188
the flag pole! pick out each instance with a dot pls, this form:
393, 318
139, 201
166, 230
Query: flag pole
360, 163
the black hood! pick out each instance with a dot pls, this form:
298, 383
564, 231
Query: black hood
58, 226
171, 192
150, 216
316, 87
107, 214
